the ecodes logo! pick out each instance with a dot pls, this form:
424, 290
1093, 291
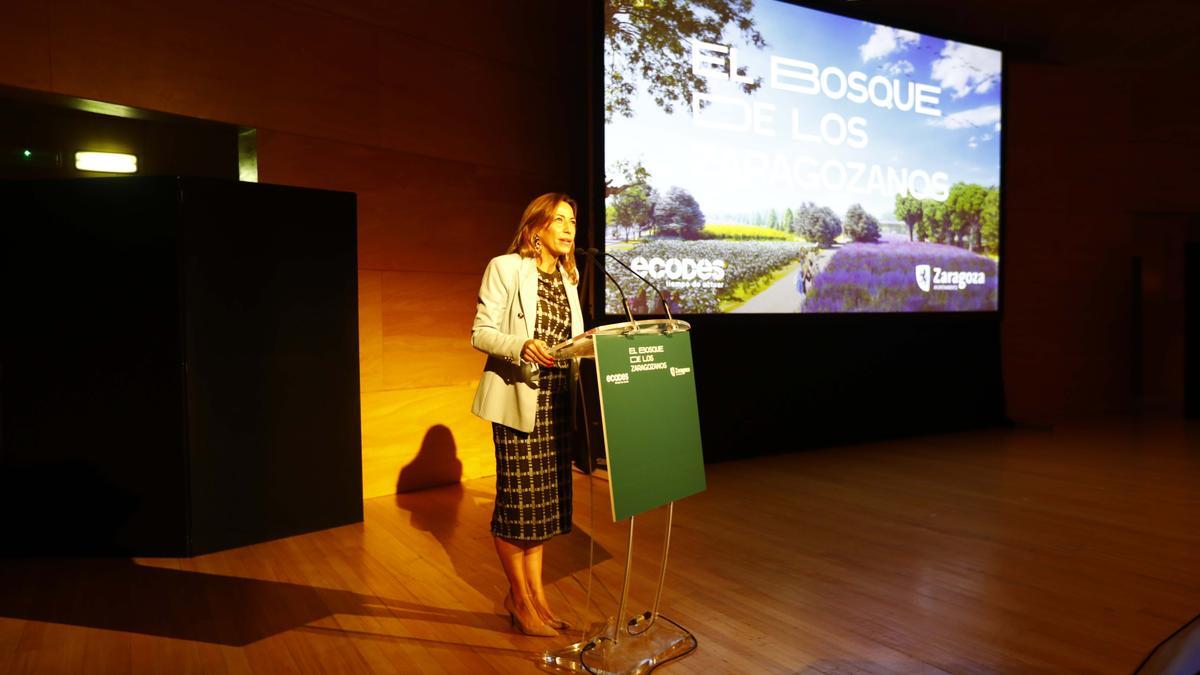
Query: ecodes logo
677, 269
617, 378
938, 279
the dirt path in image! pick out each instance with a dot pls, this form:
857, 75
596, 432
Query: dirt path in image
784, 296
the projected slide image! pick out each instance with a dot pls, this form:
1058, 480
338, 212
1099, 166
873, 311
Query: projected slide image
763, 157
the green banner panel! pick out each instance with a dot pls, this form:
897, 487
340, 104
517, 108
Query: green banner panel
651, 423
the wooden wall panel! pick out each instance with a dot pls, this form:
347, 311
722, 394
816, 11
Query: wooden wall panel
246, 63
397, 421
370, 330
1085, 171
518, 33
427, 329
414, 338
310, 71
450, 104
1065, 331
25, 49
1067, 336
415, 212
1160, 173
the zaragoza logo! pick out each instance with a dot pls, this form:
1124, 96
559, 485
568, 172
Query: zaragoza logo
938, 279
923, 277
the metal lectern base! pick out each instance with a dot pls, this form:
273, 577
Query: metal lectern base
650, 645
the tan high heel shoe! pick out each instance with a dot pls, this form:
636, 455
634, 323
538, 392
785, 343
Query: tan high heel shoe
540, 630
552, 621
546, 615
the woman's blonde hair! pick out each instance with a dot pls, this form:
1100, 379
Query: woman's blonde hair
537, 216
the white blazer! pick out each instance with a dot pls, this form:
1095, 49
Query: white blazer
504, 319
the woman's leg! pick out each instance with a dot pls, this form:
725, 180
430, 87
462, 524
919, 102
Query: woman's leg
533, 576
537, 592
512, 556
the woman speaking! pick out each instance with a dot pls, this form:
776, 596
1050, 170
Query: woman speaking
527, 302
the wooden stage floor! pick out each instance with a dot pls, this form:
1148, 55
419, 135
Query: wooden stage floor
1007, 551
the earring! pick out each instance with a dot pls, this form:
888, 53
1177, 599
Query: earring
537, 245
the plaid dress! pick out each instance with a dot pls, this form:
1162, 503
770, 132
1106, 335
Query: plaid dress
533, 470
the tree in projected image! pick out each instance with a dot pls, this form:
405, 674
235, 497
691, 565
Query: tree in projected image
935, 224
633, 209
818, 224
648, 41
989, 222
623, 175
678, 214
965, 205
908, 209
860, 225
969, 218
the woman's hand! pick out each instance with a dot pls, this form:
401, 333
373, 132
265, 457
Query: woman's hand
538, 352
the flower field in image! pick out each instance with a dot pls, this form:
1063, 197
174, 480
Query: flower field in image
882, 278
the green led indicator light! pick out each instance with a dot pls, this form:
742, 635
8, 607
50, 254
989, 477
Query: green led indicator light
27, 154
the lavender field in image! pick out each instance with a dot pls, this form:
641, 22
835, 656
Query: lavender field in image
882, 278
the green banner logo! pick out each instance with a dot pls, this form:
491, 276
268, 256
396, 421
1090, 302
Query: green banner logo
651, 423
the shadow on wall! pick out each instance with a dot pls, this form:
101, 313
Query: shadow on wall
430, 488
436, 463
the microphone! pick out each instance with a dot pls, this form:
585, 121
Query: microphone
591, 253
666, 306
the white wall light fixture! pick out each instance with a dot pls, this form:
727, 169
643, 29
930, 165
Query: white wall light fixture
108, 162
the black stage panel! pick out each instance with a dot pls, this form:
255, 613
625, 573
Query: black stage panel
180, 365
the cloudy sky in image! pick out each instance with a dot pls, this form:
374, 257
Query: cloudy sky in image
963, 142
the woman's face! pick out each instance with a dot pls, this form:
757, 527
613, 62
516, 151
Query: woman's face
559, 235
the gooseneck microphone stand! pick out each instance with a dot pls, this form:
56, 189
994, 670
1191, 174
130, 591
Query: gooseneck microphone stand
595, 252
592, 253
